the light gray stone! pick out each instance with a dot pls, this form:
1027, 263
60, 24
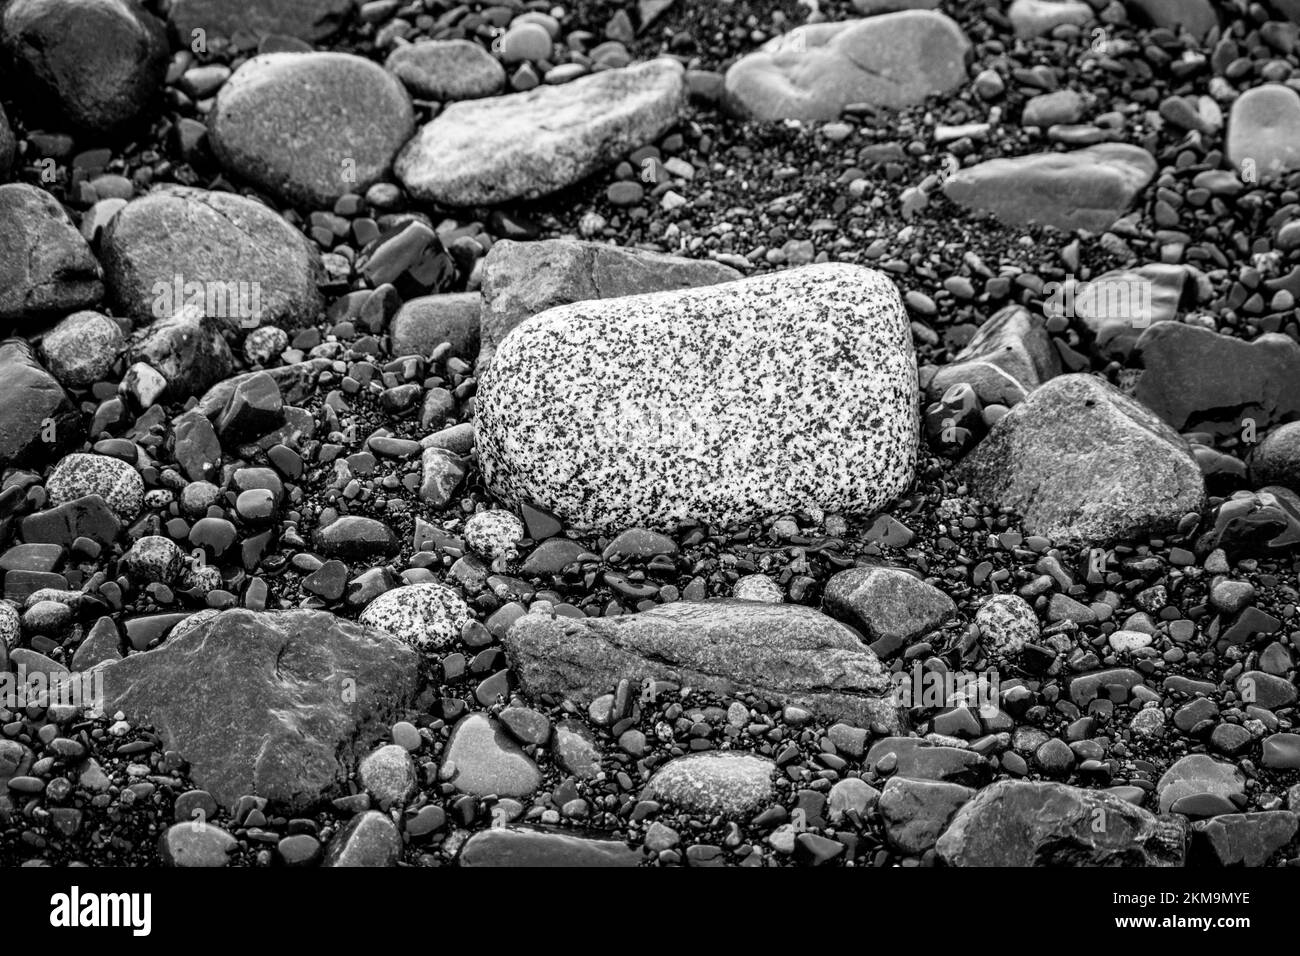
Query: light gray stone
892, 61
527, 145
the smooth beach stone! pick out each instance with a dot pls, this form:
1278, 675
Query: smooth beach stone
716, 404
892, 61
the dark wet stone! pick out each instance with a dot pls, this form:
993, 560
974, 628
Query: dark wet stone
916, 758
352, 537
1196, 379
88, 517
916, 812
96, 65
422, 324
46, 267
255, 408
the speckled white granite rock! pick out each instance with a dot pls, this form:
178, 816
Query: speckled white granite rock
426, 616
1007, 623
112, 479
525, 145
772, 394
494, 533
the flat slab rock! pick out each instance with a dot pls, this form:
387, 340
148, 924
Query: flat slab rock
763, 396
1085, 189
1079, 460
811, 73
276, 704
516, 846
521, 279
1024, 823
526, 145
789, 653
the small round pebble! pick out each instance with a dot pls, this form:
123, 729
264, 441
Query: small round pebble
494, 533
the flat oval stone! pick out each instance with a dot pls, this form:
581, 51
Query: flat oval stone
1264, 132
354, 536
447, 70
310, 127
811, 73
526, 145
722, 782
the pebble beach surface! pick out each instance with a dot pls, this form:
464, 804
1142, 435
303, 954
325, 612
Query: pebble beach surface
649, 433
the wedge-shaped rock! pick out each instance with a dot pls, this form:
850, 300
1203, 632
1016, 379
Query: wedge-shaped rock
1009, 357
535, 847
786, 653
1023, 823
763, 396
1079, 460
527, 145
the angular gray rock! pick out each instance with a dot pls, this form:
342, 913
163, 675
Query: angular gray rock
188, 349
228, 253
761, 396
1119, 306
45, 265
887, 603
1010, 356
1023, 823
527, 145
788, 653
811, 73
277, 704
916, 812
521, 279
36, 416
1084, 189
309, 127
1081, 461
81, 349
1197, 379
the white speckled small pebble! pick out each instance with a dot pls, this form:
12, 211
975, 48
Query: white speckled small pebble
112, 479
1129, 641
757, 587
494, 533
774, 394
426, 616
1007, 623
